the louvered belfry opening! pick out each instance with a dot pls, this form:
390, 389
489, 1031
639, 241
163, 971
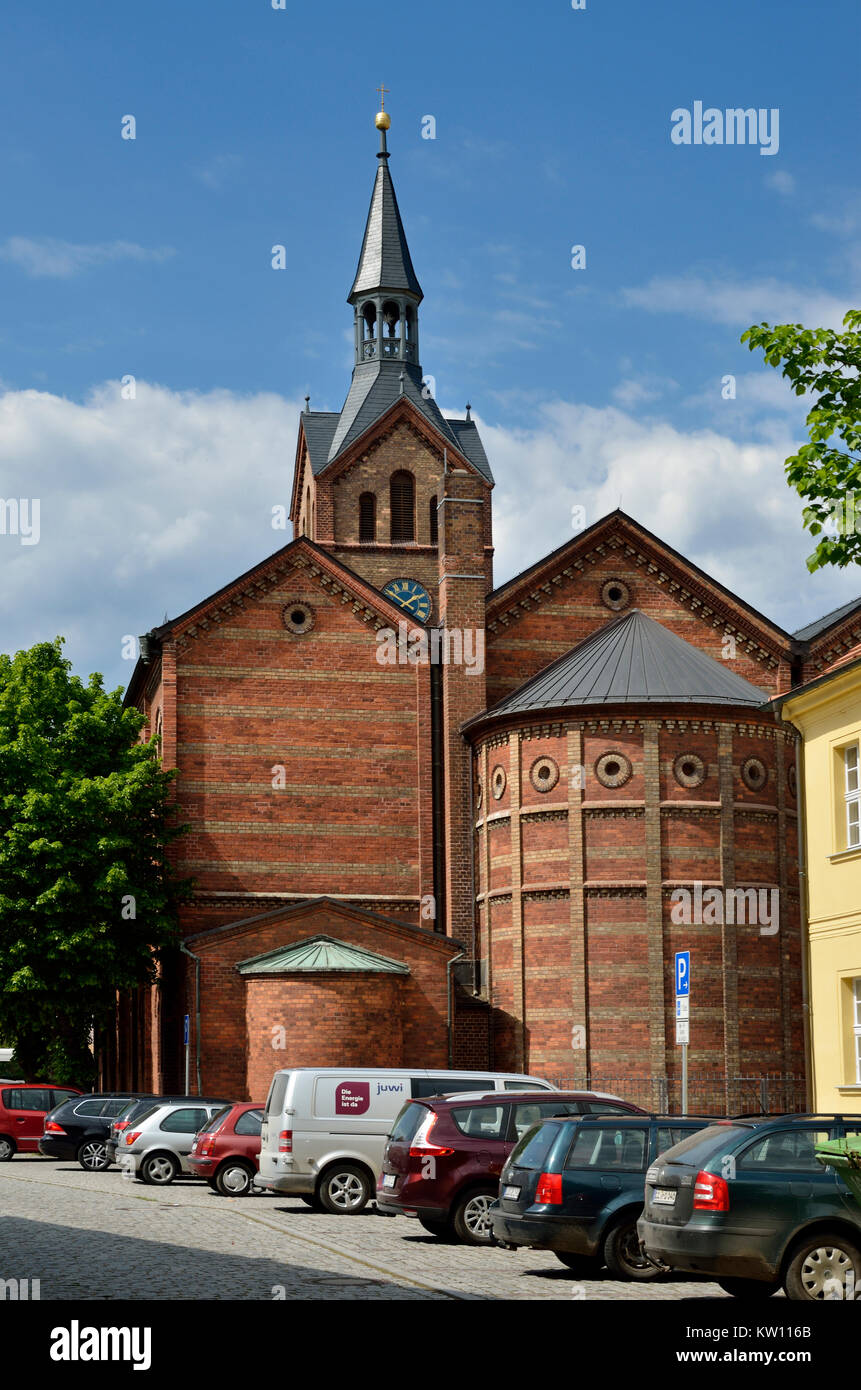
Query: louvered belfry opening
367, 518
403, 507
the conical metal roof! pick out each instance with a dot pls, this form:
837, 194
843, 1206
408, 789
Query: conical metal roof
384, 263
320, 953
634, 660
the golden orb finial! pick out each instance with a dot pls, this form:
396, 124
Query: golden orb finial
382, 120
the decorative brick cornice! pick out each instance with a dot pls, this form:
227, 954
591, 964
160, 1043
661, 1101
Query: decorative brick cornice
611, 812
614, 890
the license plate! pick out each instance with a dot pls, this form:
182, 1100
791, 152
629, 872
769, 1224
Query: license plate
511, 1193
664, 1197
389, 1179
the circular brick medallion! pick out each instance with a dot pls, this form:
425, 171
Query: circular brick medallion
497, 782
792, 778
297, 617
615, 595
689, 770
544, 774
754, 774
613, 769
478, 794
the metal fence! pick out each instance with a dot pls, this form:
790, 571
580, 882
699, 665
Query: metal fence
709, 1093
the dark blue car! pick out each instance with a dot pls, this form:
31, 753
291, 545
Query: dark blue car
575, 1186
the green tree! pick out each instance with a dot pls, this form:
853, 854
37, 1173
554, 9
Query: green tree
826, 473
87, 898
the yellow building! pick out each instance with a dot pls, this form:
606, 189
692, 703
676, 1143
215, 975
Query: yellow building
827, 714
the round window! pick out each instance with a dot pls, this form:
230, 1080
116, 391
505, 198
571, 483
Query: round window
544, 774
754, 774
297, 617
613, 769
497, 782
615, 594
689, 770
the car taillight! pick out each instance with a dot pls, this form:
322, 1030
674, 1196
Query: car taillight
135, 1134
205, 1145
421, 1145
121, 1124
285, 1141
711, 1193
549, 1189
51, 1127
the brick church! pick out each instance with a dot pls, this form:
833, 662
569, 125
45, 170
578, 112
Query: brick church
438, 823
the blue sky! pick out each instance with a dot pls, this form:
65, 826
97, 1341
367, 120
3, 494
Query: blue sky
254, 126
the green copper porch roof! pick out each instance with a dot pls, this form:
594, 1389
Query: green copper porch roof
320, 953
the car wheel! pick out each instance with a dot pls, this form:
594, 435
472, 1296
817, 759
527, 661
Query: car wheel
584, 1265
748, 1288
470, 1220
622, 1254
234, 1178
7, 1149
824, 1266
345, 1189
159, 1170
92, 1156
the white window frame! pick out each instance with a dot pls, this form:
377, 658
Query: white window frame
856, 1029
852, 795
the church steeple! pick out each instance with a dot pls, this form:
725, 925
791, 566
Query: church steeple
386, 293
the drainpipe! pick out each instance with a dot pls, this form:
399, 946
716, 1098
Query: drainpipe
196, 959
449, 1002
805, 937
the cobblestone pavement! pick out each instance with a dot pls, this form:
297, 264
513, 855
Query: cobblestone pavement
103, 1236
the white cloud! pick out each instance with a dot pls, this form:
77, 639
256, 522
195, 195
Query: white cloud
781, 181
148, 506
218, 171
48, 256
739, 303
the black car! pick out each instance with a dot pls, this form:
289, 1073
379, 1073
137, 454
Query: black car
575, 1186
748, 1204
79, 1128
134, 1107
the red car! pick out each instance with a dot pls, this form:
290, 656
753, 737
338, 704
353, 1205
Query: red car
226, 1153
23, 1108
444, 1155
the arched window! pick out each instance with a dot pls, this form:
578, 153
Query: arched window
434, 523
367, 517
403, 505
306, 520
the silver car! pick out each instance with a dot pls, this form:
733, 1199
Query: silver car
155, 1147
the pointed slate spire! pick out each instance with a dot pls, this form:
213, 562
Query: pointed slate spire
384, 263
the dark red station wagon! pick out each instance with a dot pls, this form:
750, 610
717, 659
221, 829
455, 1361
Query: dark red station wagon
227, 1151
444, 1156
23, 1108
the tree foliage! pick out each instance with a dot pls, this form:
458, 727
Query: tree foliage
87, 898
826, 472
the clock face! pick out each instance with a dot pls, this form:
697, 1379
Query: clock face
409, 595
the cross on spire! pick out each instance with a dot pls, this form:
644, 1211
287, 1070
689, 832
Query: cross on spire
382, 91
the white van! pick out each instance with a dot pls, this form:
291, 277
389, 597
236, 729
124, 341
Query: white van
325, 1128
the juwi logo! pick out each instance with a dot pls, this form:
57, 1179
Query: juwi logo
736, 125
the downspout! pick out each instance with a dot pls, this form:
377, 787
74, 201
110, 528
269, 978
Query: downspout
449, 1005
805, 936
196, 959
475, 964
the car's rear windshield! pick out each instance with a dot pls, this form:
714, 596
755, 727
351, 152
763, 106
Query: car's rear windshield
128, 1110
705, 1143
145, 1114
277, 1093
407, 1122
216, 1119
535, 1145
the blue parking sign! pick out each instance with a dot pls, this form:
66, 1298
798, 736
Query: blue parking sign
185, 1031
683, 973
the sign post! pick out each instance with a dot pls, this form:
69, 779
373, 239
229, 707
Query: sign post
683, 1016
185, 1045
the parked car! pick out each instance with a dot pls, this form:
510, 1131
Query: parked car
747, 1204
226, 1151
23, 1108
78, 1129
131, 1112
444, 1157
156, 1147
576, 1187
325, 1128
